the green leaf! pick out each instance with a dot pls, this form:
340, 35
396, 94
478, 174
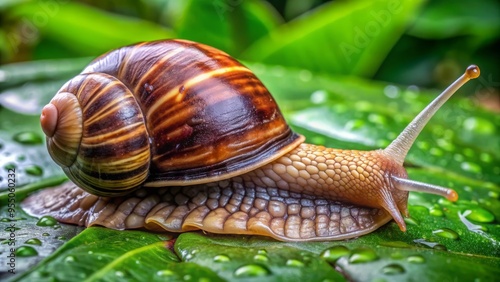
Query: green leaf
227, 25
444, 240
99, 254
87, 31
355, 35
240, 257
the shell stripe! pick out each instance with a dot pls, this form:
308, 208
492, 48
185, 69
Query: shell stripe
159, 64
190, 83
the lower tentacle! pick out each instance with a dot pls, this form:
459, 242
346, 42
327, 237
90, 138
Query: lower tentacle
225, 207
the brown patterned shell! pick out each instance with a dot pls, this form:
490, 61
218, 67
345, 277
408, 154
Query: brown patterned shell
169, 112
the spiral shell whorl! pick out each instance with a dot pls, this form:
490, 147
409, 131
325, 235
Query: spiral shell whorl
113, 154
62, 123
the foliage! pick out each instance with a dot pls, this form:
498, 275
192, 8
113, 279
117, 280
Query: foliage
319, 60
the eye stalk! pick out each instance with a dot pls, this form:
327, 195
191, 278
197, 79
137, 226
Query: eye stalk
399, 148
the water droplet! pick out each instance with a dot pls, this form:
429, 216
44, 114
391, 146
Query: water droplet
480, 215
305, 75
90, 252
415, 259
46, 221
26, 251
319, 96
434, 211
34, 170
119, 273
28, 138
45, 234
332, 254
262, 252
362, 255
187, 277
261, 258
393, 269
472, 167
69, 259
446, 233
391, 91
294, 262
251, 270
221, 258
34, 241
10, 229
410, 220
10, 166
395, 244
21, 158
62, 238
479, 125
165, 272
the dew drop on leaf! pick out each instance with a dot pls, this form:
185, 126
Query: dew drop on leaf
45, 234
479, 125
119, 273
34, 241
319, 96
434, 211
34, 170
391, 91
471, 167
221, 258
415, 259
28, 138
165, 272
332, 254
69, 259
446, 233
26, 251
363, 255
46, 221
410, 220
261, 258
251, 270
480, 215
262, 252
393, 269
294, 262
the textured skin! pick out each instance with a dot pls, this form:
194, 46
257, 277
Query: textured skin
303, 195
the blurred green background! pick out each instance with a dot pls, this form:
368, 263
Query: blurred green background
424, 43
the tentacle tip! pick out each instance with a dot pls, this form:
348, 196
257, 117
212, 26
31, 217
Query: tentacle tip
473, 72
452, 195
48, 119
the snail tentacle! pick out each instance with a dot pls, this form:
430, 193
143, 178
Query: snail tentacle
399, 148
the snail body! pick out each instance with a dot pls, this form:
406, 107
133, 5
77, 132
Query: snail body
175, 135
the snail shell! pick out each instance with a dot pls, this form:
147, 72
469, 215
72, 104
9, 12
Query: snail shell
175, 135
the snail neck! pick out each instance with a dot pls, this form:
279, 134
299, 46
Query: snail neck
350, 176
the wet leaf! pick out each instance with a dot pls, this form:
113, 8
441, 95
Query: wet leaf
377, 111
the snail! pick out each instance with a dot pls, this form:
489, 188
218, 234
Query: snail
176, 136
